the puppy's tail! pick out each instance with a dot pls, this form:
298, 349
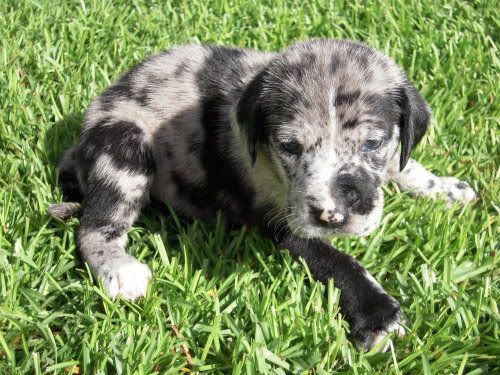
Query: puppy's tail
68, 178
70, 186
65, 210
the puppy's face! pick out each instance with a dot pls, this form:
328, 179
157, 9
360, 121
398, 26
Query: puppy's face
333, 159
332, 116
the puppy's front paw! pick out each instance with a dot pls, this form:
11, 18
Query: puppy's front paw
125, 276
455, 190
376, 321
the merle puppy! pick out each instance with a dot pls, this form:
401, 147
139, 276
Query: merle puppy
296, 143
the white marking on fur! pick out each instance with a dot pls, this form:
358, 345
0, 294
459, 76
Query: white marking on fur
420, 182
378, 337
131, 185
331, 107
325, 216
128, 279
121, 274
330, 216
338, 217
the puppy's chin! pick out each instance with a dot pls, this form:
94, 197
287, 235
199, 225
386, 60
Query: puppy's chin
363, 225
314, 231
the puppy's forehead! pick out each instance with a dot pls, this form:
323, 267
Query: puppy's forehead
320, 82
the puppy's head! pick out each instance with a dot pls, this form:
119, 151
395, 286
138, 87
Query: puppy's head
329, 116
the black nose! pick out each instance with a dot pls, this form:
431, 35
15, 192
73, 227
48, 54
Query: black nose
357, 189
351, 195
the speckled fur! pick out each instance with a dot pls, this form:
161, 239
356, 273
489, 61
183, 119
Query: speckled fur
269, 139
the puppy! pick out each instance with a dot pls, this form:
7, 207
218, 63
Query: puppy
296, 143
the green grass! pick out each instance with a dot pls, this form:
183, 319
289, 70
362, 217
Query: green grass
225, 301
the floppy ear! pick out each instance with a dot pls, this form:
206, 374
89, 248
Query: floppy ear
250, 115
415, 118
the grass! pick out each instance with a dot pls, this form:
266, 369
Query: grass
227, 301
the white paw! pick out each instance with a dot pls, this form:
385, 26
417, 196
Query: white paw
377, 337
454, 190
126, 277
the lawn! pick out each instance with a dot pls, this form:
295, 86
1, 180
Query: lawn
228, 301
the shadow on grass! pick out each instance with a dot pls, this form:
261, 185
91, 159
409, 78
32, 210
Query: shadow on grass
61, 136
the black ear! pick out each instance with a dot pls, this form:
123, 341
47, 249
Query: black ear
415, 118
250, 115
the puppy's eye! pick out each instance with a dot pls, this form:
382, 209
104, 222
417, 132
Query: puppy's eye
292, 147
371, 144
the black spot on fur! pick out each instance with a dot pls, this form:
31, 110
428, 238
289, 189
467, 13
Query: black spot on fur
221, 74
120, 90
361, 302
461, 185
430, 184
363, 60
311, 198
123, 90
142, 96
318, 143
308, 60
385, 109
297, 71
315, 145
123, 141
180, 69
100, 203
350, 124
335, 64
346, 98
114, 231
295, 100
361, 185
68, 182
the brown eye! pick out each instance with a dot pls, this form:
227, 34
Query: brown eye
292, 147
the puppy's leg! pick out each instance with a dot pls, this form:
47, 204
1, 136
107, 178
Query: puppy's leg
419, 181
119, 166
370, 311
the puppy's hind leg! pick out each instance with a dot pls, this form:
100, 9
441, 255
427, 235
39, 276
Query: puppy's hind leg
421, 182
119, 167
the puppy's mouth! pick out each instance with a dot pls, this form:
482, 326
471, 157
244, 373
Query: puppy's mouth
308, 223
328, 220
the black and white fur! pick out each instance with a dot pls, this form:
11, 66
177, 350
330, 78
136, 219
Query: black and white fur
297, 144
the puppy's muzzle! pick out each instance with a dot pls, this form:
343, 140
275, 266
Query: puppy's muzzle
344, 197
330, 216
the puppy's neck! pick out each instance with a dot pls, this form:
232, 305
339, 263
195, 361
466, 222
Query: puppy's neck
269, 188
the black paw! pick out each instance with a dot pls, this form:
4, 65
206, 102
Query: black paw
371, 324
